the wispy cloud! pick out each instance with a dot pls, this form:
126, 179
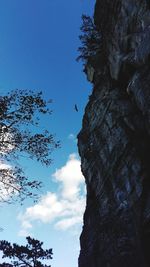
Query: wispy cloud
63, 208
72, 137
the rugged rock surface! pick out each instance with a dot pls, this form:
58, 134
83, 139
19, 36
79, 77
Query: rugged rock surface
114, 142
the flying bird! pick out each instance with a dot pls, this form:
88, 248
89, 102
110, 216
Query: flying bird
76, 108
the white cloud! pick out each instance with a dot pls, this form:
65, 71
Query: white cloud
64, 208
6, 137
7, 185
26, 226
70, 177
68, 222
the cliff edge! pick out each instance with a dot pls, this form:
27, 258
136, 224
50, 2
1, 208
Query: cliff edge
114, 142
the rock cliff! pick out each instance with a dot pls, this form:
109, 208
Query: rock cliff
114, 142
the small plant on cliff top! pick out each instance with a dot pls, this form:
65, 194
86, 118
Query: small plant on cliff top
90, 39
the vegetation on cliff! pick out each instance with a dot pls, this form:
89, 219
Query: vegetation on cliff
90, 39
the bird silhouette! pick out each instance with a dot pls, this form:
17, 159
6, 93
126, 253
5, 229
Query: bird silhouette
76, 108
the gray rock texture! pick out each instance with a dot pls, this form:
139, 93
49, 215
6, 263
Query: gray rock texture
114, 142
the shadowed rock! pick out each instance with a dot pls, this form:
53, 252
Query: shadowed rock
114, 142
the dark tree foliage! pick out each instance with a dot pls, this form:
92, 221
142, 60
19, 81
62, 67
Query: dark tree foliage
21, 136
30, 255
90, 39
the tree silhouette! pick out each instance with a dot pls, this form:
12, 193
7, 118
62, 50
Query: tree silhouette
30, 255
21, 136
90, 39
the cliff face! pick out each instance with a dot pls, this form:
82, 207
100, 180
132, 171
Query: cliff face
114, 142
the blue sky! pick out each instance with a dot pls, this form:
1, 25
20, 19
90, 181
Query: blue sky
38, 48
